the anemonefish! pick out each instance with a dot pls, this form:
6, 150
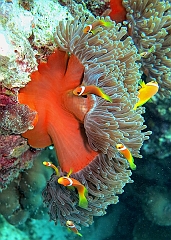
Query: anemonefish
49, 164
82, 191
71, 226
91, 28
71, 182
147, 53
127, 154
91, 89
146, 92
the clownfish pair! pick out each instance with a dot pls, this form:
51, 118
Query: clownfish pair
91, 28
71, 226
127, 154
146, 92
67, 181
91, 89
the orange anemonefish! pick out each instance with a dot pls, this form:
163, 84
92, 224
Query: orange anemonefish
127, 154
146, 92
90, 28
71, 226
147, 53
82, 191
49, 164
91, 89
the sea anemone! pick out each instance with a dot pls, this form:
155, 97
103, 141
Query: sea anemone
151, 27
85, 130
118, 12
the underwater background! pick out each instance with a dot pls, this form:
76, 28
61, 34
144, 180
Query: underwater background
48, 49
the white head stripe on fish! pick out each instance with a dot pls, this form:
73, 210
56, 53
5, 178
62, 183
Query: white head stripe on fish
90, 26
71, 226
152, 84
70, 181
123, 148
82, 90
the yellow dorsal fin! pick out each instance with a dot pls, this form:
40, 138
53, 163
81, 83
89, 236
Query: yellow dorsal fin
70, 171
142, 83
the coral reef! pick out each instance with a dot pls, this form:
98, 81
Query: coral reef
43, 229
22, 199
111, 59
96, 7
15, 156
8, 231
29, 40
15, 153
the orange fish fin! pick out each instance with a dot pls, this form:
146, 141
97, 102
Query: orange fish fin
83, 202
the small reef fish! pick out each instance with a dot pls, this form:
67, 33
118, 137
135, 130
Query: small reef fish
82, 191
91, 89
49, 164
90, 28
71, 226
127, 154
147, 53
146, 92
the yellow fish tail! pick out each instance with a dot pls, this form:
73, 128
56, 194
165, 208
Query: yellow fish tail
131, 163
135, 107
99, 92
132, 166
79, 234
82, 191
106, 24
105, 96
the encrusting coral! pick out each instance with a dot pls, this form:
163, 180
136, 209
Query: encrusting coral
15, 153
150, 23
85, 130
22, 199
